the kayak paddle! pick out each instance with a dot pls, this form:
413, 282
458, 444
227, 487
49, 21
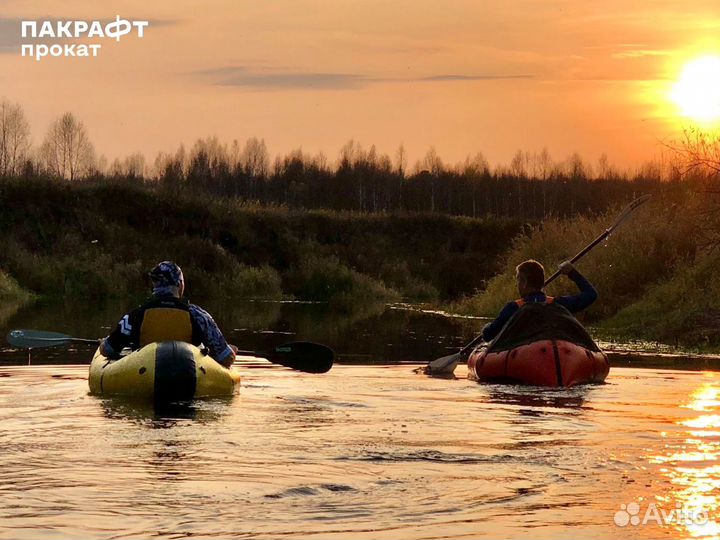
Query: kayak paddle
300, 355
629, 209
446, 364
33, 339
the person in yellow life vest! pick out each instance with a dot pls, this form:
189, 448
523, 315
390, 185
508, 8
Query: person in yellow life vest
530, 277
167, 316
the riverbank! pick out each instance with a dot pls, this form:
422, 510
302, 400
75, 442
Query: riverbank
655, 276
12, 297
97, 240
94, 241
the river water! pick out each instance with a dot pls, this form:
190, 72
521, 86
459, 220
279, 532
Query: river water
371, 334
364, 451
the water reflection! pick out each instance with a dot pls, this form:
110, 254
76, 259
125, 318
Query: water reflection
372, 333
691, 465
360, 451
248, 316
538, 397
8, 308
163, 415
162, 441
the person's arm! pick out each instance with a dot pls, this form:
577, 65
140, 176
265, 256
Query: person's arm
492, 329
587, 295
122, 336
212, 337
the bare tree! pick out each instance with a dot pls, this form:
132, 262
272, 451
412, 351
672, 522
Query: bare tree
321, 162
401, 160
101, 165
14, 138
431, 162
603, 167
545, 164
67, 151
134, 165
116, 168
254, 159
576, 168
474, 169
697, 152
347, 156
519, 164
696, 156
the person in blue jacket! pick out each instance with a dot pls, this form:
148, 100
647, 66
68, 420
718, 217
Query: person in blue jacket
530, 277
167, 316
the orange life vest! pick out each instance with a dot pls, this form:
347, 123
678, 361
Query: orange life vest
521, 301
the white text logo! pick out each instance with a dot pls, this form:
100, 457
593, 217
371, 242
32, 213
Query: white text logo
55, 29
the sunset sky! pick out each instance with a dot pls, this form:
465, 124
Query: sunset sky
592, 76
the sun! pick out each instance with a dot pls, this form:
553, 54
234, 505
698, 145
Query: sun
697, 91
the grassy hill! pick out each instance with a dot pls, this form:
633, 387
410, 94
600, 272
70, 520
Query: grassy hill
98, 240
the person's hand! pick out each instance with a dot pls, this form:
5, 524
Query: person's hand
566, 267
230, 360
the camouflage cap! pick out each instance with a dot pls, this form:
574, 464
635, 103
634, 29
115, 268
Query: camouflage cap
166, 274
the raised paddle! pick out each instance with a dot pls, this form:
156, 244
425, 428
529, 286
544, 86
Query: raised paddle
629, 209
300, 355
445, 365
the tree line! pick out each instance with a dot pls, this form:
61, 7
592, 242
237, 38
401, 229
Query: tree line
532, 186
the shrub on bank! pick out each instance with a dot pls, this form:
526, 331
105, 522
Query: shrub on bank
644, 252
680, 310
236, 283
10, 290
328, 279
97, 239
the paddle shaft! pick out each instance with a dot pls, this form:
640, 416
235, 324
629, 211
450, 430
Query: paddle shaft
581, 254
33, 339
467, 349
81, 340
256, 354
300, 355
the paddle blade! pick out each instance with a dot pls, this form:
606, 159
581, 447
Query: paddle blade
32, 339
443, 366
629, 209
303, 356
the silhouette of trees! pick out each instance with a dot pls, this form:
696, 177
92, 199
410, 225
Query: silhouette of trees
133, 166
67, 151
697, 155
14, 138
531, 187
698, 151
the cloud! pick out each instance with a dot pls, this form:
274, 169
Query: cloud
10, 37
640, 53
266, 79
240, 76
629, 50
442, 78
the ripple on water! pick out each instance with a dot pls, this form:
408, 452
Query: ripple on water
358, 452
426, 455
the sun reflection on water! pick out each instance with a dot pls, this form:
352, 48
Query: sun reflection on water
691, 463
